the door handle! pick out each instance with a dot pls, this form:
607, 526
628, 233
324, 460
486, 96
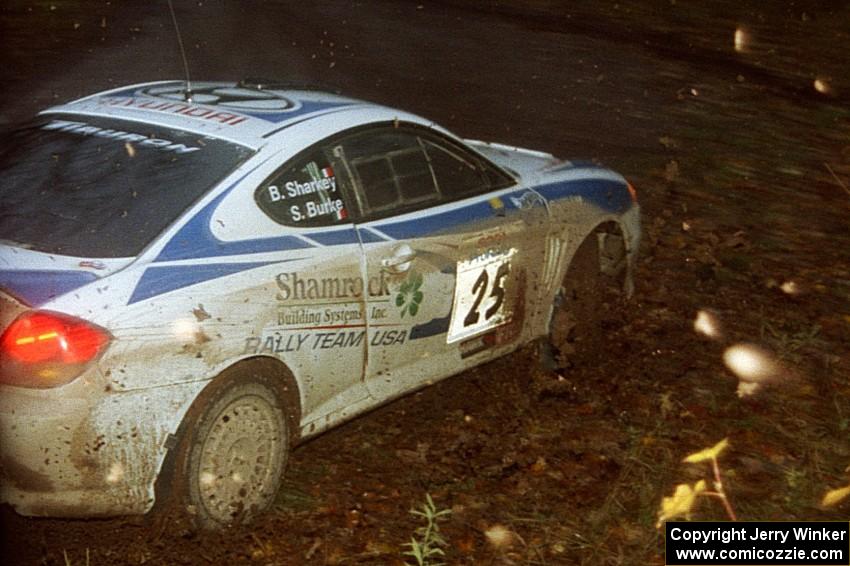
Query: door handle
401, 259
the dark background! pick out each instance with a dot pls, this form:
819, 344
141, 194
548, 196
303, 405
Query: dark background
742, 163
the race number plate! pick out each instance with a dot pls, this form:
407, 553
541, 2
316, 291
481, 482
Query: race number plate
481, 294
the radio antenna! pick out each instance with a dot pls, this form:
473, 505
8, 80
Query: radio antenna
188, 94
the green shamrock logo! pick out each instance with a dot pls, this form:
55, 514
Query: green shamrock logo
409, 296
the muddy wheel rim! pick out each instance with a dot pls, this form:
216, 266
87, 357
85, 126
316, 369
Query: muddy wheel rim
240, 459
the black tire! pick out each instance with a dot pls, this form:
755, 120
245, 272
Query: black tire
233, 451
575, 329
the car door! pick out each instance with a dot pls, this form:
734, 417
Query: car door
444, 274
316, 323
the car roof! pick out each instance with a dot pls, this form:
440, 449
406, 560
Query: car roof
248, 112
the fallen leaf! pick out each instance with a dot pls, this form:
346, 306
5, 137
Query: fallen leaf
681, 502
708, 453
379, 548
736, 240
466, 545
668, 142
317, 543
835, 496
747, 389
539, 466
500, 537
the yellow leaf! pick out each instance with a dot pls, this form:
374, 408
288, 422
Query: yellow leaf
708, 454
539, 466
680, 503
499, 536
835, 496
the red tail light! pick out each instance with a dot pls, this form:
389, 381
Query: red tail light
46, 349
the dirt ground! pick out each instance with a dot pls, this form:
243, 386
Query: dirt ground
741, 159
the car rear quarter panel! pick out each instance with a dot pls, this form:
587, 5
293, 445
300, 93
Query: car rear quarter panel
95, 452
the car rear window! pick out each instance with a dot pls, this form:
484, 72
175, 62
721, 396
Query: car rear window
98, 187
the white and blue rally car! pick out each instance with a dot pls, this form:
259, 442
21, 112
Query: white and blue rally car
191, 281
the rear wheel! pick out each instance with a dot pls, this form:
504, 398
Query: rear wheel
233, 452
575, 329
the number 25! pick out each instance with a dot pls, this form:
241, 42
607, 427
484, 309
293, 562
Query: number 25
479, 289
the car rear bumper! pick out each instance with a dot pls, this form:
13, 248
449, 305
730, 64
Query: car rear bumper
75, 452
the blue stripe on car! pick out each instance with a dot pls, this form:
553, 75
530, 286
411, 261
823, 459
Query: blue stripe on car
441, 221
431, 328
195, 239
305, 117
160, 279
369, 236
610, 196
334, 237
38, 286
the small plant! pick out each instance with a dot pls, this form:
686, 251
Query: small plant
427, 546
795, 482
682, 502
68, 560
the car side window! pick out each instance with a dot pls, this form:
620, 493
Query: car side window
305, 192
457, 176
391, 169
